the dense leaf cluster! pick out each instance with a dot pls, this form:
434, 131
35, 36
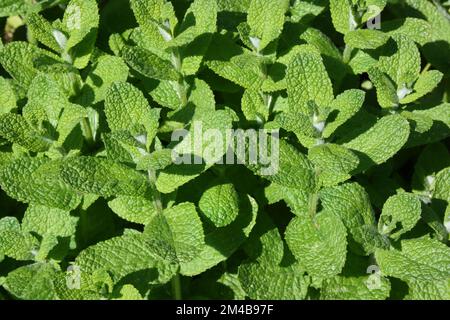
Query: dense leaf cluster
92, 205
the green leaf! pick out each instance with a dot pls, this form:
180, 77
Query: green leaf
81, 21
124, 255
333, 163
13, 7
404, 66
221, 243
305, 11
45, 101
422, 259
43, 31
149, 64
157, 160
441, 185
182, 228
435, 15
7, 96
428, 290
32, 282
266, 20
318, 243
263, 282
386, 91
37, 181
107, 68
332, 56
362, 62
355, 288
126, 107
135, 209
176, 175
400, 214
253, 106
103, 177
128, 292
220, 204
296, 199
372, 9
205, 12
342, 16
49, 221
351, 203
425, 84
15, 243
18, 59
380, 142
419, 123
417, 30
433, 159
233, 5
243, 70
296, 122
166, 94
16, 129
157, 22
366, 38
308, 81
71, 116
267, 277
294, 169
344, 106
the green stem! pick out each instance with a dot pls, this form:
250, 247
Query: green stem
313, 200
176, 287
176, 283
267, 97
181, 88
346, 56
157, 202
427, 67
87, 131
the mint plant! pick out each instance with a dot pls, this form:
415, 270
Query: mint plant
224, 149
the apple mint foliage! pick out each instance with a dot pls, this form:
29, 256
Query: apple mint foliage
100, 100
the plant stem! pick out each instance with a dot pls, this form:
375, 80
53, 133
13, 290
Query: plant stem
176, 287
176, 283
314, 198
157, 202
427, 67
346, 56
181, 88
87, 131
